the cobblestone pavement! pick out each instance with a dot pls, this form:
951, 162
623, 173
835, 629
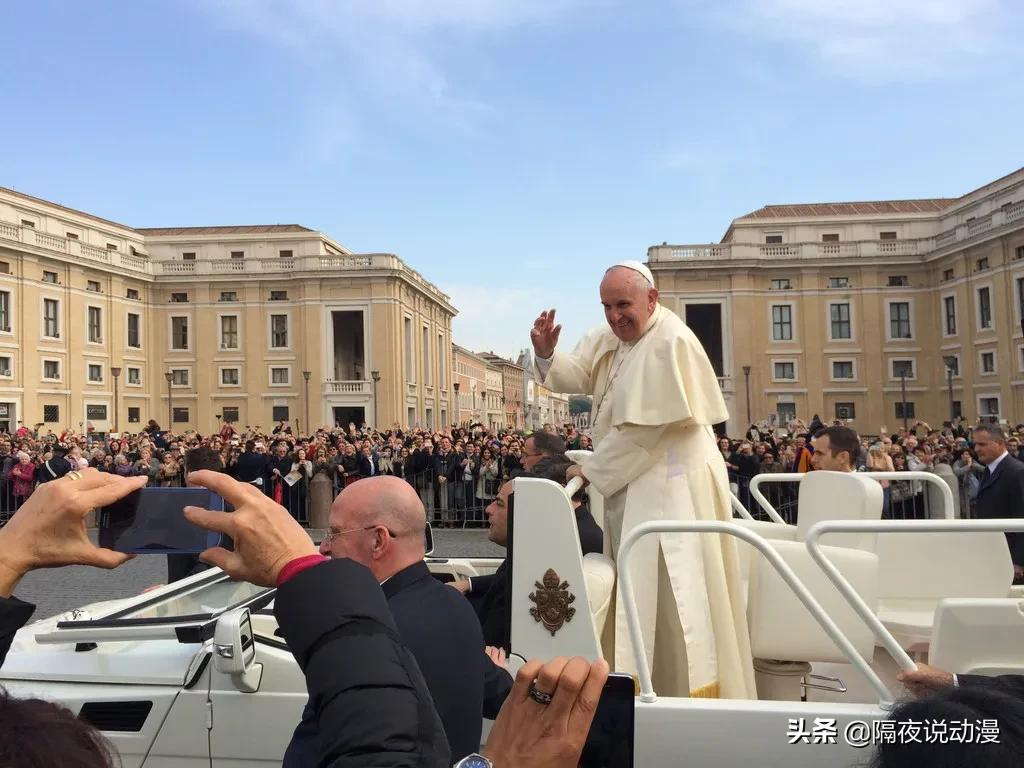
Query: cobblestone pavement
61, 589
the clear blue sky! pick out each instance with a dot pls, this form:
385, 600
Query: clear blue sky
508, 149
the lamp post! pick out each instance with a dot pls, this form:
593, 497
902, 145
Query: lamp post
950, 361
903, 395
746, 378
305, 379
115, 372
458, 405
375, 375
170, 412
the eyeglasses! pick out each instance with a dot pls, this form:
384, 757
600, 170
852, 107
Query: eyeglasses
331, 535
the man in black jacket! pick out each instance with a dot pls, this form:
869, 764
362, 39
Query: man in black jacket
1001, 493
252, 467
379, 523
446, 471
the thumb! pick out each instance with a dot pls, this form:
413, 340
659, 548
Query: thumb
106, 558
229, 562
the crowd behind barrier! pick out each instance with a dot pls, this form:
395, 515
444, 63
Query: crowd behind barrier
457, 470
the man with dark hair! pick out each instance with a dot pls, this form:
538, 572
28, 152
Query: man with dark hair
836, 449
252, 468
542, 445
1001, 492
55, 467
181, 566
591, 535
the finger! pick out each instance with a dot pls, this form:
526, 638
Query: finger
210, 520
551, 317
229, 562
90, 478
554, 334
547, 678
224, 486
585, 706
105, 558
567, 689
524, 679
113, 490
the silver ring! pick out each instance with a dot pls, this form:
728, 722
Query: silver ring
538, 695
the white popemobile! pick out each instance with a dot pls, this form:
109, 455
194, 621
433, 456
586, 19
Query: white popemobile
193, 674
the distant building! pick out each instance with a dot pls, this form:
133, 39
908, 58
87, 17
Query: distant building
838, 308
249, 324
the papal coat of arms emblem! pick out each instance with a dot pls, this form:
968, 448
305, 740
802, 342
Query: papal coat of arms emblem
553, 600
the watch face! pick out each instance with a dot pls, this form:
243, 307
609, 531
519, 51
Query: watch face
474, 761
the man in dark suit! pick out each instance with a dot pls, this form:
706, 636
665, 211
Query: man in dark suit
446, 470
252, 467
368, 464
1001, 493
379, 522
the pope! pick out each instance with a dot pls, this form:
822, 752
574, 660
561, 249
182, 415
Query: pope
656, 397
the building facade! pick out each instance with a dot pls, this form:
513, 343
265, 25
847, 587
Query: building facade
874, 312
512, 388
108, 326
471, 392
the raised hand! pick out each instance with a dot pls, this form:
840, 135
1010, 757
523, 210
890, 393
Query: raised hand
544, 334
266, 537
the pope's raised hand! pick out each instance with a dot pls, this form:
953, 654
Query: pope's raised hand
266, 537
544, 334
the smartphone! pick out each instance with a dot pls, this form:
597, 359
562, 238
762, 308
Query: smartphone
152, 521
610, 741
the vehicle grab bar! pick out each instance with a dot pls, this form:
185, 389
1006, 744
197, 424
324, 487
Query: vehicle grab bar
835, 634
891, 526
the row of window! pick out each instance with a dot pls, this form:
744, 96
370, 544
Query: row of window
181, 297
282, 253
428, 356
987, 406
180, 377
775, 238
900, 326
785, 283
179, 415
843, 370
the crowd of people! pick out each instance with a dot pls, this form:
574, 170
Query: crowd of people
456, 470
919, 448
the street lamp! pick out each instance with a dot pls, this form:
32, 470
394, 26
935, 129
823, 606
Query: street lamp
375, 375
305, 379
170, 423
746, 378
458, 405
903, 395
115, 372
950, 362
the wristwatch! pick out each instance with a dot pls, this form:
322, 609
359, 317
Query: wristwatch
474, 761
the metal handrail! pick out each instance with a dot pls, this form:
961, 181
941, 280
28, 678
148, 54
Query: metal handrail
890, 526
737, 506
783, 477
835, 634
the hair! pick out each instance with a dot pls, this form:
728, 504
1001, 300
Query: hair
37, 734
970, 703
996, 433
203, 458
548, 444
250, 445
841, 439
552, 469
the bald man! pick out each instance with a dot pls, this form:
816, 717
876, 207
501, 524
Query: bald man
379, 522
656, 397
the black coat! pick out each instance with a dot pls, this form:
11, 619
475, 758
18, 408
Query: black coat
1012, 685
438, 626
368, 468
1002, 495
494, 592
591, 535
252, 466
14, 614
372, 702
446, 465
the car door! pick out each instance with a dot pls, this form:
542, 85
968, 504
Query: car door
253, 729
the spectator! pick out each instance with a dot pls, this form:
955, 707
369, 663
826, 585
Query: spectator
969, 475
24, 476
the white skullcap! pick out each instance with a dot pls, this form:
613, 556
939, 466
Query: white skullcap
636, 266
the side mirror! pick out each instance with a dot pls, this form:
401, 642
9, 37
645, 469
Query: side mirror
234, 650
428, 541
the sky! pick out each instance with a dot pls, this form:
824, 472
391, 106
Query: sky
510, 150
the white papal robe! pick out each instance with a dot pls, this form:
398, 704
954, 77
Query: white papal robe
655, 458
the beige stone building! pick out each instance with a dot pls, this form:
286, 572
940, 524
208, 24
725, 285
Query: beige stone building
840, 308
252, 324
512, 388
471, 391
